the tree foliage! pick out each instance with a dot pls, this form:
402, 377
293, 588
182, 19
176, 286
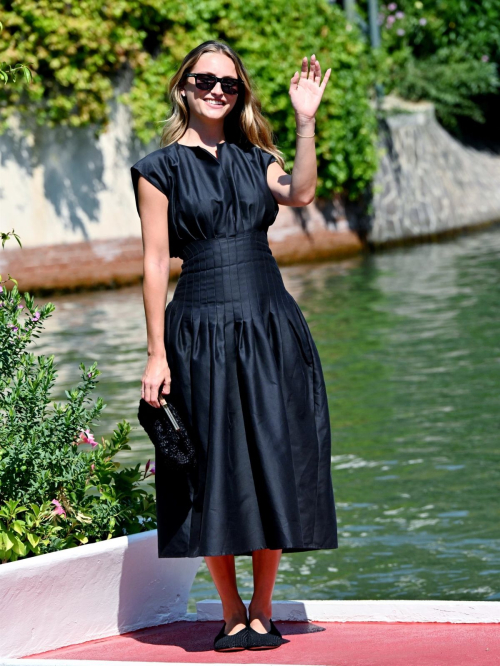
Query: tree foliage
80, 50
9, 71
445, 51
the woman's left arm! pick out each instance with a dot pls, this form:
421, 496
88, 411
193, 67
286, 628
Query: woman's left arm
306, 91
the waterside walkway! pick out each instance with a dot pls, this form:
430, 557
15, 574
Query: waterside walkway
322, 643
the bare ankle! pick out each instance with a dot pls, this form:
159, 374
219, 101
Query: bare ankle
234, 613
260, 610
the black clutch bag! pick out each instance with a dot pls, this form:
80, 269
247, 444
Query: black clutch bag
168, 432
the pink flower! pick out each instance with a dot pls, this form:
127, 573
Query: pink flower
1, 288
485, 58
390, 21
86, 437
20, 306
400, 15
152, 470
423, 21
147, 465
392, 7
58, 510
400, 32
36, 317
92, 467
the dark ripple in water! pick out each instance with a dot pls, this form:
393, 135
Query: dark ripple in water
410, 346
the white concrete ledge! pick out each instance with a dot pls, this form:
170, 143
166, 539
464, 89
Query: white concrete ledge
384, 610
89, 592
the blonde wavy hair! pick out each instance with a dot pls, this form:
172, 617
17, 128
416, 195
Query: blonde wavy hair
245, 123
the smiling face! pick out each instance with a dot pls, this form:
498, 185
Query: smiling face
210, 105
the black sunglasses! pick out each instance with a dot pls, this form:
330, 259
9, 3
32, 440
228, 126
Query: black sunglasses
208, 81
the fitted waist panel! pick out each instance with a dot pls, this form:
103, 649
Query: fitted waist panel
222, 251
223, 270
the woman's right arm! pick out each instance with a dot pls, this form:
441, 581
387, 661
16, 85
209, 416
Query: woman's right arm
153, 208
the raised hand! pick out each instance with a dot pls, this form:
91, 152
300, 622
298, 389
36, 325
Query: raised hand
306, 90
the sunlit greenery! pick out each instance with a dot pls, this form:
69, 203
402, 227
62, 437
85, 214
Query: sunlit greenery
56, 491
445, 51
79, 52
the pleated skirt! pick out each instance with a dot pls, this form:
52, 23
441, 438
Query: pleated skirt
247, 377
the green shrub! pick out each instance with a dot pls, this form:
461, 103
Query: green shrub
446, 52
78, 50
59, 487
9, 71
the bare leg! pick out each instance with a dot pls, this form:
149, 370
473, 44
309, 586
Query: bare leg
265, 567
223, 572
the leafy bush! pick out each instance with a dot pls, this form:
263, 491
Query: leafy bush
446, 52
7, 70
55, 493
78, 50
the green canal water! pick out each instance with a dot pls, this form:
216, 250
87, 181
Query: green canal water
410, 345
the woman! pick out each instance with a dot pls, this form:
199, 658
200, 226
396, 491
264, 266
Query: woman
232, 347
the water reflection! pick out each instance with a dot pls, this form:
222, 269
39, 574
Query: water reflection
410, 346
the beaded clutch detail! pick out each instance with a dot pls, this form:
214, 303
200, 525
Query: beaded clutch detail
168, 432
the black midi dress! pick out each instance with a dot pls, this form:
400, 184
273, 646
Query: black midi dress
245, 370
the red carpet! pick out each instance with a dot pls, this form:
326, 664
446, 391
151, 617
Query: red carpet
322, 643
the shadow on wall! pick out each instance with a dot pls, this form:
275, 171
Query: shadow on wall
72, 165
67, 169
73, 174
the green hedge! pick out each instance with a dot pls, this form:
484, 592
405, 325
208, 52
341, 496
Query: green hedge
445, 51
78, 50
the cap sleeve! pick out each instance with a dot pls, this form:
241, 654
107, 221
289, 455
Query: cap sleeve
154, 169
267, 159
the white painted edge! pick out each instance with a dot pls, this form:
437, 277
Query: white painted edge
376, 610
90, 592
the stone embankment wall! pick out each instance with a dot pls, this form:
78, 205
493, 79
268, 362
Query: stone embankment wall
69, 197
428, 183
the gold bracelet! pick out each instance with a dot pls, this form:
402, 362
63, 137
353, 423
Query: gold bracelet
306, 136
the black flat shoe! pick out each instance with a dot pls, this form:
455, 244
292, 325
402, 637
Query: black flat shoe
231, 642
267, 641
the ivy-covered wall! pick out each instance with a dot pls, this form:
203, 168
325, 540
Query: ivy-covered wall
78, 50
